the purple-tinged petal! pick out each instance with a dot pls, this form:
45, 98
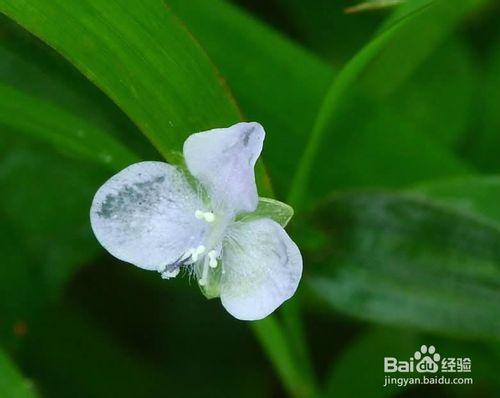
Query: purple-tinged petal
223, 161
145, 215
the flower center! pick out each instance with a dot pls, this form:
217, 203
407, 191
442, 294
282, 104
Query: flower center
205, 256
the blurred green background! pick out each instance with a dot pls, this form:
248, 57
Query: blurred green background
383, 132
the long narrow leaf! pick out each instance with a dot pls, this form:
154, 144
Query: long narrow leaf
141, 56
397, 51
29, 115
409, 260
30, 66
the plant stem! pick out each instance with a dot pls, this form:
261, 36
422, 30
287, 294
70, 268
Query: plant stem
278, 349
295, 329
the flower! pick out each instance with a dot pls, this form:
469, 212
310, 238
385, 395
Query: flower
161, 217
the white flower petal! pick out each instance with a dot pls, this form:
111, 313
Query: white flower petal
223, 160
262, 267
145, 215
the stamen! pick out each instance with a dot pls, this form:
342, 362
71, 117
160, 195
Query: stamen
208, 216
196, 252
212, 257
204, 276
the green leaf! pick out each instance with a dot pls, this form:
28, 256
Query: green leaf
271, 335
475, 196
383, 150
406, 260
141, 56
261, 66
439, 97
12, 383
483, 143
144, 59
31, 67
311, 23
273, 209
355, 101
28, 115
420, 27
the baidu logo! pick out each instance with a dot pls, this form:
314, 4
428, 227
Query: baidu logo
427, 360
423, 367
